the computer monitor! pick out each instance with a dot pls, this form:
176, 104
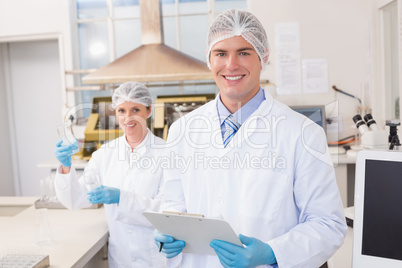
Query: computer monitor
315, 112
377, 227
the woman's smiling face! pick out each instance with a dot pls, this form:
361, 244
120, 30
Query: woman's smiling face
132, 118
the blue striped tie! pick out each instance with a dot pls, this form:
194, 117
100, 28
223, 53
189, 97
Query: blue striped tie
231, 128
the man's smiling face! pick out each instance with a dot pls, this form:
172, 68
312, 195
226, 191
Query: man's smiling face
236, 68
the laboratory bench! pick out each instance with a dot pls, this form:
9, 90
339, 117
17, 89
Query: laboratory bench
79, 236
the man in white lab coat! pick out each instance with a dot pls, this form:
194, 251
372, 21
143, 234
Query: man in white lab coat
254, 162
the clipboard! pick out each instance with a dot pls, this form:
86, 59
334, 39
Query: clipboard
196, 230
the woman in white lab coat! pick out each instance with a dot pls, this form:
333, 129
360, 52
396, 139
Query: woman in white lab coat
130, 182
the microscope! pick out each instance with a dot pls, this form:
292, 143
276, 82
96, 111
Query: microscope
393, 138
372, 137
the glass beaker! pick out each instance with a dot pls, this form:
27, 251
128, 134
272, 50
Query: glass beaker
66, 134
91, 179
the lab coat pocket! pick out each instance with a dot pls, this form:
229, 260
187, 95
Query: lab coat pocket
263, 195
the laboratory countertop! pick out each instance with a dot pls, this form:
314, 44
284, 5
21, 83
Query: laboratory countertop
343, 159
78, 234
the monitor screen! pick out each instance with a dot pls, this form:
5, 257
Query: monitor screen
382, 212
315, 113
377, 232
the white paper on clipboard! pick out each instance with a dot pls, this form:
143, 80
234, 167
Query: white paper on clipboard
197, 232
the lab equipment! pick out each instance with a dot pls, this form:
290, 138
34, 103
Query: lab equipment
393, 138
377, 213
49, 198
170, 108
64, 152
239, 23
371, 123
347, 94
132, 92
104, 195
255, 253
91, 179
360, 124
370, 138
24, 261
315, 112
101, 126
66, 134
48, 195
170, 246
43, 230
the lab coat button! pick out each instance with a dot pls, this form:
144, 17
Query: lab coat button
130, 231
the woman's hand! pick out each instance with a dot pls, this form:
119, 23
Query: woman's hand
104, 195
64, 152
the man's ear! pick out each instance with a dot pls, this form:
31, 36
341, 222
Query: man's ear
208, 55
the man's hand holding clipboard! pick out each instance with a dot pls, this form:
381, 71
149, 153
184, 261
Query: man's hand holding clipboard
191, 233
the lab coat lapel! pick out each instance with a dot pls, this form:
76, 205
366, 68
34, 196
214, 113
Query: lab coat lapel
253, 123
215, 138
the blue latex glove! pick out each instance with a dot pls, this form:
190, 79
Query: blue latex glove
64, 152
104, 195
171, 247
254, 254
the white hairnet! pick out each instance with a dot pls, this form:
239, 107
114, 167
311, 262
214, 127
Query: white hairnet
236, 22
133, 92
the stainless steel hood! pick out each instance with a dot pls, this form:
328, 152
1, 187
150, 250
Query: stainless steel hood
152, 61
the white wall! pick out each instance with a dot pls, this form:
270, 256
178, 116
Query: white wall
29, 22
34, 108
24, 18
338, 30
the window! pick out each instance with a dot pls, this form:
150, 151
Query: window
391, 60
108, 29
